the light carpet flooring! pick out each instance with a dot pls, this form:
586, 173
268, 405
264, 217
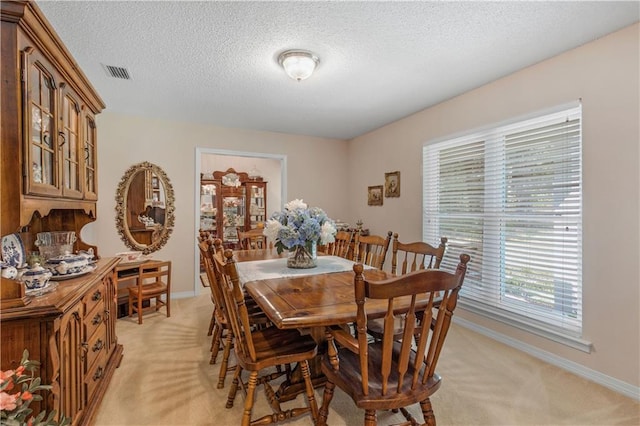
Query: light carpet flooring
165, 379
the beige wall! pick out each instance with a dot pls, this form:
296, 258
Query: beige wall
605, 75
315, 166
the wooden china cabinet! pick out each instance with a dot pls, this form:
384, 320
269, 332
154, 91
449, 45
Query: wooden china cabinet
48, 182
231, 201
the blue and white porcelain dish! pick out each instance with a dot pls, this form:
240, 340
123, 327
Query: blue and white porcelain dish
71, 275
67, 264
35, 278
13, 252
35, 292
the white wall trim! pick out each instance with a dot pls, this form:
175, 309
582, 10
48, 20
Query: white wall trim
526, 324
614, 384
184, 294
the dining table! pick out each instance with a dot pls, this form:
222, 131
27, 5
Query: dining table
305, 299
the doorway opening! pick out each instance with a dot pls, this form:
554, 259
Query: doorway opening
271, 167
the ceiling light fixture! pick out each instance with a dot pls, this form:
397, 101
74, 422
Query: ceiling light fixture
298, 64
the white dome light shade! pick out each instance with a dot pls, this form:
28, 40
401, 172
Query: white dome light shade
298, 64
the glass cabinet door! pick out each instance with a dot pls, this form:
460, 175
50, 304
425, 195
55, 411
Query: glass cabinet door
233, 214
71, 150
41, 137
90, 152
257, 196
208, 206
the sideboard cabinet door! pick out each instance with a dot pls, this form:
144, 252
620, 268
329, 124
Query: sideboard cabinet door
72, 349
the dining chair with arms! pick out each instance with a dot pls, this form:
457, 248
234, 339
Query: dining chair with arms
410, 257
371, 250
341, 246
258, 350
153, 281
252, 239
388, 374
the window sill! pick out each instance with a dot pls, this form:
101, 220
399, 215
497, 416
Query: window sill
528, 325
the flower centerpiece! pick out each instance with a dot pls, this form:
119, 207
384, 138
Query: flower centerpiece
299, 229
17, 391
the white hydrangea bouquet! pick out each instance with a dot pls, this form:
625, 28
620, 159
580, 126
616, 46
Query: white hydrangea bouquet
298, 229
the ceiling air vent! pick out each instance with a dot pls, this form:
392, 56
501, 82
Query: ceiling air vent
117, 72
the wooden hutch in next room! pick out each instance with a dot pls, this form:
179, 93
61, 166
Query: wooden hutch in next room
231, 201
48, 182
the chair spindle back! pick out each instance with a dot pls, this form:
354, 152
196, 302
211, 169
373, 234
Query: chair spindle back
404, 366
236, 307
372, 250
415, 256
342, 245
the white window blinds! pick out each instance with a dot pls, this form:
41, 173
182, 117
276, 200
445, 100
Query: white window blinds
511, 197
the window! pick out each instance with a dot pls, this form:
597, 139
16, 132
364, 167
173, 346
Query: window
511, 197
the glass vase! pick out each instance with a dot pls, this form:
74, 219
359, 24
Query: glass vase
303, 257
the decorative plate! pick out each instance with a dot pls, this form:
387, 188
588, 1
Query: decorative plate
140, 261
13, 251
84, 271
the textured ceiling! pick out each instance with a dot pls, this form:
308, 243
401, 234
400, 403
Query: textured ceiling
216, 62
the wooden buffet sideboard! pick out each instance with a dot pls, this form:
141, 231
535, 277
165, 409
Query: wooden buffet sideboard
49, 182
72, 332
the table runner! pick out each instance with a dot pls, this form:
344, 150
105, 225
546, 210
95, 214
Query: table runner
277, 268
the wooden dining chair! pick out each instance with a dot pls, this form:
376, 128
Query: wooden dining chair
388, 374
222, 334
259, 350
153, 282
417, 255
371, 250
252, 239
341, 246
204, 235
411, 257
219, 328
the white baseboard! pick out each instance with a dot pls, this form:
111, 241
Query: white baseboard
183, 295
619, 386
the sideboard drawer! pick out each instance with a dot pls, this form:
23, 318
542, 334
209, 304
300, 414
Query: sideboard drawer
93, 319
94, 297
95, 376
96, 345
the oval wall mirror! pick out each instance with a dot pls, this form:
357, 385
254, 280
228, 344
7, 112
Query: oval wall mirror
145, 208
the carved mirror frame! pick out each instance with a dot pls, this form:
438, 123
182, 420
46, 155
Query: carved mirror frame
122, 194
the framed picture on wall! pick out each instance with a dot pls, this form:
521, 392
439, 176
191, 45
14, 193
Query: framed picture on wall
392, 184
374, 196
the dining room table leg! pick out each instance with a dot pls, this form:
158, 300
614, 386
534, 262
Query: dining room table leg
294, 384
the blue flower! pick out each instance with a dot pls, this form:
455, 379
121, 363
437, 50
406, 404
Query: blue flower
298, 225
